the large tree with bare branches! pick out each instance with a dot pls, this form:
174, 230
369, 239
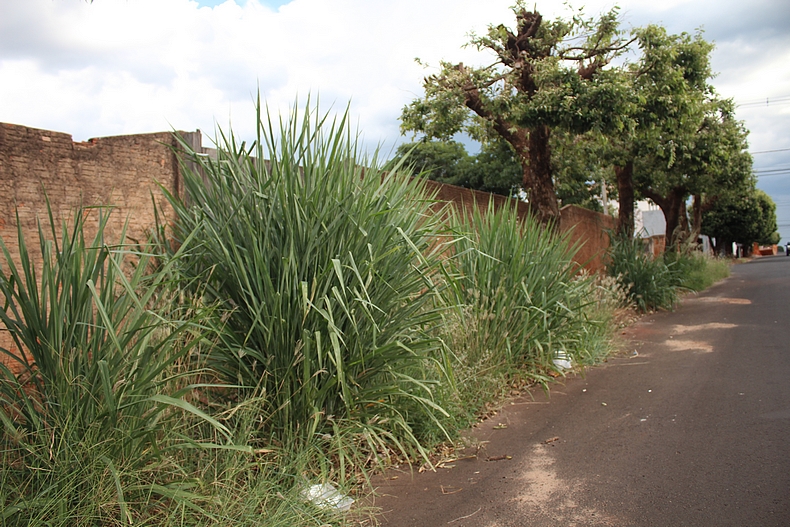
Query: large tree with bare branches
545, 75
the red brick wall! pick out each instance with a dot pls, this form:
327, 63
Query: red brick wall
122, 171
587, 228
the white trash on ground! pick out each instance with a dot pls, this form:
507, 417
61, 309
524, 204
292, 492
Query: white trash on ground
562, 360
326, 496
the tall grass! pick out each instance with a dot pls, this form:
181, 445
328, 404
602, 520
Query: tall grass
86, 413
521, 303
655, 283
323, 270
650, 283
696, 271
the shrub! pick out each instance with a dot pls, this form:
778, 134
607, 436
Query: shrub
323, 270
86, 416
649, 283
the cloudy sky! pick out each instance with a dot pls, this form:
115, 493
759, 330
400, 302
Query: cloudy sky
114, 67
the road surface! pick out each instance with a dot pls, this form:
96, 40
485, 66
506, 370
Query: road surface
692, 430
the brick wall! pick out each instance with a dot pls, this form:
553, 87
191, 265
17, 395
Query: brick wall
122, 171
588, 229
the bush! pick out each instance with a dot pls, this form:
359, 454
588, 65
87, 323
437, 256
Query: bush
520, 301
323, 272
649, 283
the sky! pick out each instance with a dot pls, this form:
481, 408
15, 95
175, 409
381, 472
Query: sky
113, 67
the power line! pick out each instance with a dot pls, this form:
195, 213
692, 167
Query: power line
767, 102
771, 151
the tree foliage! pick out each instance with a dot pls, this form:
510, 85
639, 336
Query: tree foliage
741, 218
670, 84
685, 141
493, 169
547, 75
550, 102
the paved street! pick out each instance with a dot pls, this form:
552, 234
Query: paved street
692, 430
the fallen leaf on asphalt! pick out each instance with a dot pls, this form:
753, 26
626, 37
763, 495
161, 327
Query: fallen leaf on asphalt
453, 460
546, 442
498, 458
450, 490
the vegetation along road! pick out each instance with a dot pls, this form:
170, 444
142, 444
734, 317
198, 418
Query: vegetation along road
688, 427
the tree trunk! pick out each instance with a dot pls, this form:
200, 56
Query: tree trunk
726, 247
672, 205
531, 147
683, 223
625, 189
696, 214
538, 181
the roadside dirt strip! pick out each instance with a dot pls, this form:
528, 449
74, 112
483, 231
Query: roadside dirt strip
689, 425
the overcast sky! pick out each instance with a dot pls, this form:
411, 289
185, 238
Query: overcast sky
116, 67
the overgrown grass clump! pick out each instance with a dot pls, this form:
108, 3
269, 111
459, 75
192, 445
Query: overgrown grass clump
655, 283
650, 283
322, 267
696, 271
520, 303
97, 425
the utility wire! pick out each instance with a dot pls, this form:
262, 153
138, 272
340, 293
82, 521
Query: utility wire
771, 151
767, 102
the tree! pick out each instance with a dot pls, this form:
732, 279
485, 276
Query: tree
494, 169
656, 158
546, 76
580, 167
744, 219
723, 146
442, 161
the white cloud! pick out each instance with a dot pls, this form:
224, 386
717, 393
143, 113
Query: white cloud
117, 66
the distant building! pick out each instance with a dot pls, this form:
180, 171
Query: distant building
649, 221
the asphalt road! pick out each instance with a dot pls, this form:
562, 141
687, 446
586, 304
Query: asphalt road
693, 430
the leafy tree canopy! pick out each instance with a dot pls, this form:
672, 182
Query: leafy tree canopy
742, 218
546, 75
